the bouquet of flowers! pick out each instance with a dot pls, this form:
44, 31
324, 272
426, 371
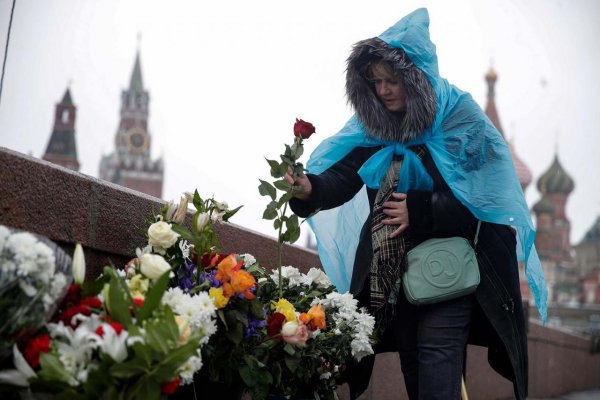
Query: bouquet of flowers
122, 336
230, 280
313, 332
34, 275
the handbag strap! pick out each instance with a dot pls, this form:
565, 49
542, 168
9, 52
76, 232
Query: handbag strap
477, 234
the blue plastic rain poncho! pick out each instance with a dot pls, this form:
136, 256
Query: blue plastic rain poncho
468, 150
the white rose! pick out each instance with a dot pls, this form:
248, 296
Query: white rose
154, 266
161, 236
289, 328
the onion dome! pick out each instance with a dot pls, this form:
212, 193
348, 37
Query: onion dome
545, 205
593, 235
555, 180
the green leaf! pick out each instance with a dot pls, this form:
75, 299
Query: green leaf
288, 160
272, 163
286, 197
129, 369
292, 363
293, 235
282, 185
93, 288
154, 296
231, 213
182, 231
235, 333
266, 189
288, 152
117, 295
170, 363
248, 375
198, 202
52, 369
297, 150
289, 349
277, 224
271, 211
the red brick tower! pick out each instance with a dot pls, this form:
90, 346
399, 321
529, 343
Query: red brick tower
130, 165
62, 149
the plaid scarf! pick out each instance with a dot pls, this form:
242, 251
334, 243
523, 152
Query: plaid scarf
389, 261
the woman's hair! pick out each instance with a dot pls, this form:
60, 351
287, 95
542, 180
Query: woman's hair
379, 122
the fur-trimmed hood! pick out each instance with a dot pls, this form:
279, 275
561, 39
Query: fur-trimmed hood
379, 122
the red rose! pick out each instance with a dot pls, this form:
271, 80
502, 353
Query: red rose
170, 387
33, 349
303, 129
274, 324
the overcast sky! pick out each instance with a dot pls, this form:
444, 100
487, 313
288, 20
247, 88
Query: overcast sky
227, 79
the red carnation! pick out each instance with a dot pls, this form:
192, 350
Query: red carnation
33, 349
170, 387
118, 328
93, 302
303, 129
138, 301
67, 315
274, 324
73, 295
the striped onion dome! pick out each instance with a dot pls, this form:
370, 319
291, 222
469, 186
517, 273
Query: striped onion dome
556, 179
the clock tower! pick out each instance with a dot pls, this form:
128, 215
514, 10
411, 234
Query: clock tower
131, 165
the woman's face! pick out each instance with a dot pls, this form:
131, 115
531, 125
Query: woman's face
388, 87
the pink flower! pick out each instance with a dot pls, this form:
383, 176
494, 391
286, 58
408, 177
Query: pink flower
294, 333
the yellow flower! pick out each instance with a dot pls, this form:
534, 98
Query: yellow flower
138, 285
217, 295
286, 308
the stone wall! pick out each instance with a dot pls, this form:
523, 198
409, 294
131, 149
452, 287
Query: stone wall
109, 221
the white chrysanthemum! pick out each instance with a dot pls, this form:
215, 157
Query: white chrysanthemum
318, 277
4, 234
189, 368
172, 297
293, 274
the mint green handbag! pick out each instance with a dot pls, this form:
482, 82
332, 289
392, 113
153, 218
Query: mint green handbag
441, 269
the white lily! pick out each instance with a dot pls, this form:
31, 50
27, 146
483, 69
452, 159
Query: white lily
19, 376
112, 343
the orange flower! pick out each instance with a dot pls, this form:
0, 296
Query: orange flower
314, 318
227, 267
241, 282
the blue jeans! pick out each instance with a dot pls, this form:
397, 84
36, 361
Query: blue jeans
432, 341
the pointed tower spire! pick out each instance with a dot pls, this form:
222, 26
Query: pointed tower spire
61, 148
136, 84
523, 171
490, 108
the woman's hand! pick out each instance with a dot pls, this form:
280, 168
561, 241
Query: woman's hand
398, 213
302, 182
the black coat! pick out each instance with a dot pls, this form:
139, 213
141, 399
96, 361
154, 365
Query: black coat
498, 321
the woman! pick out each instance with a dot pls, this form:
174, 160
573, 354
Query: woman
431, 165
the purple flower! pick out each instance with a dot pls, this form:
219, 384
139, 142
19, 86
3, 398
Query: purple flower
254, 325
186, 274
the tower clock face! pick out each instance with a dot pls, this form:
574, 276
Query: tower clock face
137, 140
